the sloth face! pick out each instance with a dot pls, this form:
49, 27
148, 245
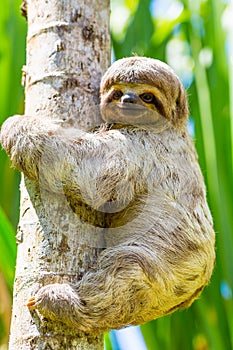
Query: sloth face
134, 104
143, 91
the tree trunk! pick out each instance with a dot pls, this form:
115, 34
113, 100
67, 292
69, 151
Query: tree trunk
67, 52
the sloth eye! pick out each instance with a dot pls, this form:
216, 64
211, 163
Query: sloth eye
117, 94
147, 97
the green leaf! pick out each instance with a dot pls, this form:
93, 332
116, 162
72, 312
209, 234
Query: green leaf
8, 248
138, 34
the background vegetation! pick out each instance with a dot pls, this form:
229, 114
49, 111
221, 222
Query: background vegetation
196, 39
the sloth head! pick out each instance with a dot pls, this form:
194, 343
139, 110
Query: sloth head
142, 91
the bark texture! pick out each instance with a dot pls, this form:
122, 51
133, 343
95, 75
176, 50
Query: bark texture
67, 53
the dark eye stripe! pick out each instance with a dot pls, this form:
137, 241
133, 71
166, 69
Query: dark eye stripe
116, 94
147, 97
159, 106
153, 100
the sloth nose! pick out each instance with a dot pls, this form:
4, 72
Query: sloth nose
129, 98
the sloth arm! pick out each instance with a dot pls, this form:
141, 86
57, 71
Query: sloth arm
62, 159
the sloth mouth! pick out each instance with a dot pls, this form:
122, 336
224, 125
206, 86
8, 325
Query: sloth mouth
135, 109
129, 113
134, 114
131, 106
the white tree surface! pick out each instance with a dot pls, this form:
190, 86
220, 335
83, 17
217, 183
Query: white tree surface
67, 53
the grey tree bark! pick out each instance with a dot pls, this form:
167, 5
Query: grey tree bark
67, 52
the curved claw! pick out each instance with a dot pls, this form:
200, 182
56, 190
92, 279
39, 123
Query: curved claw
31, 304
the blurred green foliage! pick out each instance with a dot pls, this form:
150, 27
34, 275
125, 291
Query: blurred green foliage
196, 39
12, 57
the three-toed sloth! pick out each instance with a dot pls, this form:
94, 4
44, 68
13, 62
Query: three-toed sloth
140, 170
